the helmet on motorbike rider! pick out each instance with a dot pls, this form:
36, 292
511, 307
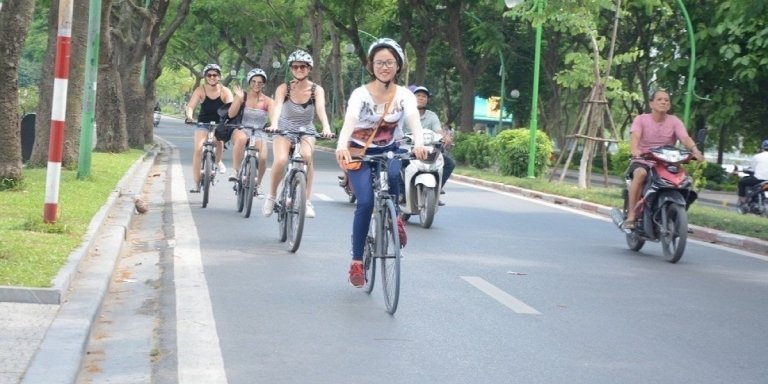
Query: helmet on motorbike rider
211, 67
301, 56
422, 88
391, 45
256, 72
765, 145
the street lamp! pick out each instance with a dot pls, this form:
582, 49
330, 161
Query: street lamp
514, 94
538, 5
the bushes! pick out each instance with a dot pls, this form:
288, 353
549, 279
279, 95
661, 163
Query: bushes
473, 149
508, 150
511, 152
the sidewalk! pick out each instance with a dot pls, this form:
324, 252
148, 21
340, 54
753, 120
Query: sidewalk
44, 332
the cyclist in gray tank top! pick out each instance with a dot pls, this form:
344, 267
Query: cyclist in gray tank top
296, 104
252, 108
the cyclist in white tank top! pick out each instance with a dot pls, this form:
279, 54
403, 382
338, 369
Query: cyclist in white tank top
296, 104
252, 110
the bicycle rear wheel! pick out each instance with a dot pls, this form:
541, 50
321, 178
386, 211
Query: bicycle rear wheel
389, 246
369, 262
207, 176
297, 194
249, 184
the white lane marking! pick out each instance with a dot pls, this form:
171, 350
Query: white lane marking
502, 297
197, 343
323, 197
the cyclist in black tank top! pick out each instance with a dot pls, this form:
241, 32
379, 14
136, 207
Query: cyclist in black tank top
210, 95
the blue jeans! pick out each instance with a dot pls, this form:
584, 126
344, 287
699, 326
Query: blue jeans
363, 188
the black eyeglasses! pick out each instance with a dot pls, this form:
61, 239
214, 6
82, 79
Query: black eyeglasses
297, 67
212, 75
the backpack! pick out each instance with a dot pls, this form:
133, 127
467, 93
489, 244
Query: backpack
224, 130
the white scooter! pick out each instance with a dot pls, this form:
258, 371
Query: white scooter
422, 180
156, 120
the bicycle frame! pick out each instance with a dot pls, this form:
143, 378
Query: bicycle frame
247, 176
291, 202
383, 241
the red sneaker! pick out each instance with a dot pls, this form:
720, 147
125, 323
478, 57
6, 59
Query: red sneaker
401, 232
356, 275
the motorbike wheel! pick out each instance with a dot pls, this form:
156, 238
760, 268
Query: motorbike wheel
634, 241
674, 232
428, 196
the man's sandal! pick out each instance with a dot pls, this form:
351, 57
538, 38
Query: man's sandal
628, 224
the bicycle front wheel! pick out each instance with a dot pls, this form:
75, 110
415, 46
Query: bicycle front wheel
297, 194
389, 247
369, 262
207, 176
249, 184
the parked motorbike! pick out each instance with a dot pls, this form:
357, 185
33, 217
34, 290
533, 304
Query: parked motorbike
756, 198
662, 212
422, 180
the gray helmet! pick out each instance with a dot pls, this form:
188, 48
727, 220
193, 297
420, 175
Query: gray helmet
386, 42
256, 72
301, 56
209, 67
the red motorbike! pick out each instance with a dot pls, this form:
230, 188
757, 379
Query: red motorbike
662, 212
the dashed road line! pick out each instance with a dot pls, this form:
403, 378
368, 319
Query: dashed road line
499, 295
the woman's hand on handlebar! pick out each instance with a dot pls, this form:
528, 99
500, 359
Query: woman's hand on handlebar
328, 134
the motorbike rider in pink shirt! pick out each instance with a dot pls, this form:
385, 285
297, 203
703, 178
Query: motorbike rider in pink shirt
651, 130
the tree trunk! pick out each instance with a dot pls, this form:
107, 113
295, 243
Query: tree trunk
466, 73
111, 132
15, 19
74, 107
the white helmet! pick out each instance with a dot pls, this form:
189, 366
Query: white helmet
422, 88
301, 56
386, 42
209, 67
256, 72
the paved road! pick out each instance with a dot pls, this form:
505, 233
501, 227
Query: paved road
501, 289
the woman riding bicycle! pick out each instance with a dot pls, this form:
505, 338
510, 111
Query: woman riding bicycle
252, 109
384, 104
296, 104
211, 95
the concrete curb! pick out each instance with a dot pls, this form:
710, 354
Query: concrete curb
708, 235
60, 354
61, 283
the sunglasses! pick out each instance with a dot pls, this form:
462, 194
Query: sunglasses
212, 75
297, 67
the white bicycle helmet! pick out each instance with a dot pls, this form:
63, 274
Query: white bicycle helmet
209, 67
386, 42
301, 56
256, 72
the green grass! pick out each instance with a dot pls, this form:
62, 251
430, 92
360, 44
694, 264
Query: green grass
31, 251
